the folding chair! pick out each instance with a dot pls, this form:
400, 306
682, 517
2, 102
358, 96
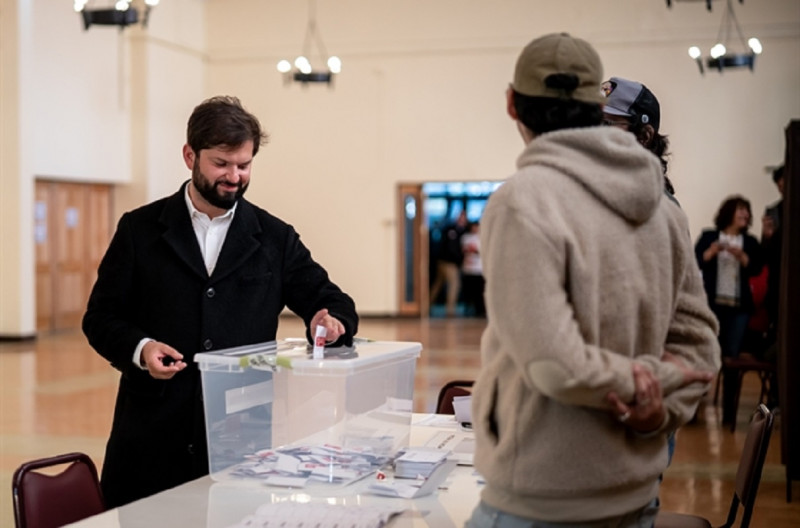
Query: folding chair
48, 501
739, 366
748, 477
451, 389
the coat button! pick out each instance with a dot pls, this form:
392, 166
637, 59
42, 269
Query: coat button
210, 293
207, 344
190, 449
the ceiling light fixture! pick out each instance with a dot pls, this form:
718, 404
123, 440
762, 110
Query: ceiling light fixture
123, 14
301, 70
720, 56
708, 2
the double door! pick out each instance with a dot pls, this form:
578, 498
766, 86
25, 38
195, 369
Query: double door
72, 227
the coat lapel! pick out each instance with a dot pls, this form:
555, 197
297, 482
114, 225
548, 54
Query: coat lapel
240, 242
179, 234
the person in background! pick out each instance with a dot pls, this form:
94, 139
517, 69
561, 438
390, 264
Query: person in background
771, 243
201, 270
599, 341
472, 272
448, 265
631, 106
729, 256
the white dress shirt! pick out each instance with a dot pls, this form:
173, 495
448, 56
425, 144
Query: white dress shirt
210, 233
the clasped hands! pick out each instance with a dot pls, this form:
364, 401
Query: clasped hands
716, 247
646, 412
163, 362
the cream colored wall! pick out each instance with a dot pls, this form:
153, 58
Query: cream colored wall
421, 98
169, 69
97, 106
12, 313
75, 98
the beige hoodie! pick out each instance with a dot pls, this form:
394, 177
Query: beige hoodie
588, 269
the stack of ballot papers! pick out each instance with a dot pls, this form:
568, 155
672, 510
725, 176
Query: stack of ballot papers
412, 489
315, 515
461, 445
419, 462
293, 466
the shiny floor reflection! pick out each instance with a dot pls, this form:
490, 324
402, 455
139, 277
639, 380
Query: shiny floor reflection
57, 395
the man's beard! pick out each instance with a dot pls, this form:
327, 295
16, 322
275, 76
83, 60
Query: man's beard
211, 194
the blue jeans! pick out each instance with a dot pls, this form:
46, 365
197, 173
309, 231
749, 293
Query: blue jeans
484, 516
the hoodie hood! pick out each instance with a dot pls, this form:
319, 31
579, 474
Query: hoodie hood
624, 176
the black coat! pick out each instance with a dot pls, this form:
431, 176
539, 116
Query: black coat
152, 282
709, 269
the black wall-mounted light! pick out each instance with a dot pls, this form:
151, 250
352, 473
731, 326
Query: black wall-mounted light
122, 14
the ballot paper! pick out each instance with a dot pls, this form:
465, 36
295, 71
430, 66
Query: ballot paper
461, 445
416, 462
462, 405
318, 515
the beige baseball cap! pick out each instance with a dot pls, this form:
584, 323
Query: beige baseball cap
560, 66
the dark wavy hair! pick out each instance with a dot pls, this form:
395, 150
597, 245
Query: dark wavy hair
658, 146
223, 121
777, 174
727, 210
546, 114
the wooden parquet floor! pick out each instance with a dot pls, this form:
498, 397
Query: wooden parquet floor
57, 395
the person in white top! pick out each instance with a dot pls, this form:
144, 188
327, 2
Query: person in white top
728, 257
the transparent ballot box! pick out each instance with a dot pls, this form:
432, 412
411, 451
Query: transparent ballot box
273, 412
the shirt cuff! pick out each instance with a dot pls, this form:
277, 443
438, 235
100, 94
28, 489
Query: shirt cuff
137, 354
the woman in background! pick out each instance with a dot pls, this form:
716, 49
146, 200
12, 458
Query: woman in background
728, 256
472, 279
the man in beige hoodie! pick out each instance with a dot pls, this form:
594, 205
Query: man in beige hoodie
599, 340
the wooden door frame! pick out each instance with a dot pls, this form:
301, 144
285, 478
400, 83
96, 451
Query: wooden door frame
419, 303
416, 229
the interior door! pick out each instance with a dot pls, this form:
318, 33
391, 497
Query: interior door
72, 226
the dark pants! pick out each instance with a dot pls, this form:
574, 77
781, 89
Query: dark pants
732, 326
472, 287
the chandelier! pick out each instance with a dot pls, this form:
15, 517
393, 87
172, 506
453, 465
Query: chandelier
720, 56
123, 14
301, 69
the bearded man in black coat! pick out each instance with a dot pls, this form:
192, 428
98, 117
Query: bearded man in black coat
201, 270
